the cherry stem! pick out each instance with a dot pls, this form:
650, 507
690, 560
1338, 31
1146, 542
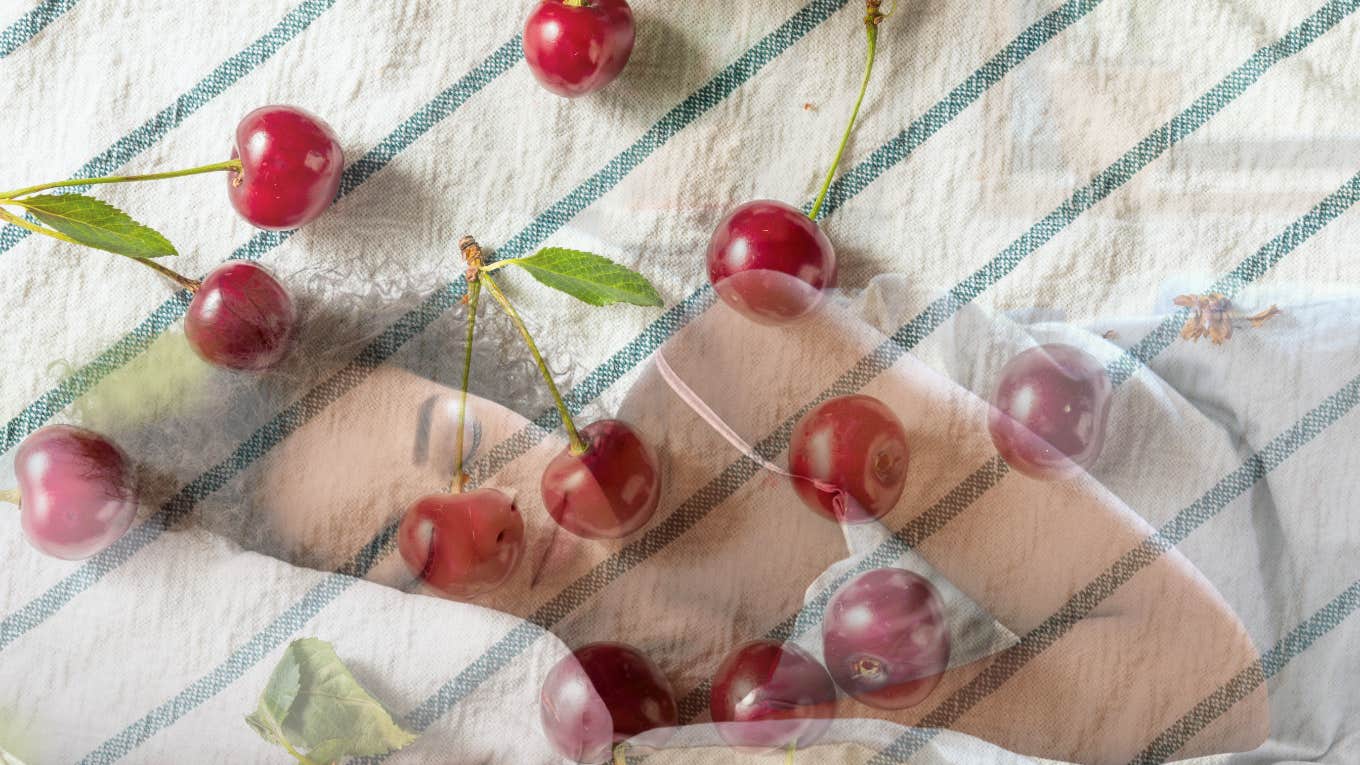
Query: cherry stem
22, 222
619, 757
231, 165
871, 21
576, 3
578, 446
472, 254
183, 281
191, 285
9, 495
788, 758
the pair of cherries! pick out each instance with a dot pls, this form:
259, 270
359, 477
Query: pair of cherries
1047, 419
469, 543
884, 638
241, 317
885, 643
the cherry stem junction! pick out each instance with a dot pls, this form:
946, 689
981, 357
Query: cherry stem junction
9, 495
578, 446
872, 18
231, 165
472, 254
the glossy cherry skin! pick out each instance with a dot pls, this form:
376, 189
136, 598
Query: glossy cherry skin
78, 491
241, 318
608, 492
290, 167
601, 694
1049, 411
462, 545
768, 695
850, 456
574, 50
885, 638
771, 263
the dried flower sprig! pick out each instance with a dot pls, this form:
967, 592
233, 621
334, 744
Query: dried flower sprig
1212, 315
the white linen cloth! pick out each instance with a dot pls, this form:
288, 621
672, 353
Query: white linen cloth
983, 118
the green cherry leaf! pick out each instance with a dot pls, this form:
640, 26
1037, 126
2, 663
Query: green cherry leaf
589, 277
277, 699
313, 704
97, 224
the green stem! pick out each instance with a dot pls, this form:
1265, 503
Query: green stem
22, 222
231, 165
9, 495
577, 445
459, 478
788, 758
871, 20
619, 757
498, 265
183, 281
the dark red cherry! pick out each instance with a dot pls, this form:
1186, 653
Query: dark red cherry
768, 695
770, 262
1049, 411
290, 167
602, 694
885, 638
608, 492
78, 492
575, 47
241, 317
462, 545
850, 456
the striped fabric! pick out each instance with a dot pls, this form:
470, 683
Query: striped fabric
1024, 172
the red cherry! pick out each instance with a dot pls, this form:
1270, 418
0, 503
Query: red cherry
574, 48
78, 493
1049, 411
462, 545
241, 317
778, 693
771, 262
602, 694
885, 638
850, 454
290, 167
608, 492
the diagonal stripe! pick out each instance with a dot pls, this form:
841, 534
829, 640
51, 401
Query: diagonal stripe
990, 473
1036, 641
918, 529
269, 435
897, 150
27, 26
290, 419
722, 487
919, 327
1298, 640
140, 338
525, 634
224, 76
